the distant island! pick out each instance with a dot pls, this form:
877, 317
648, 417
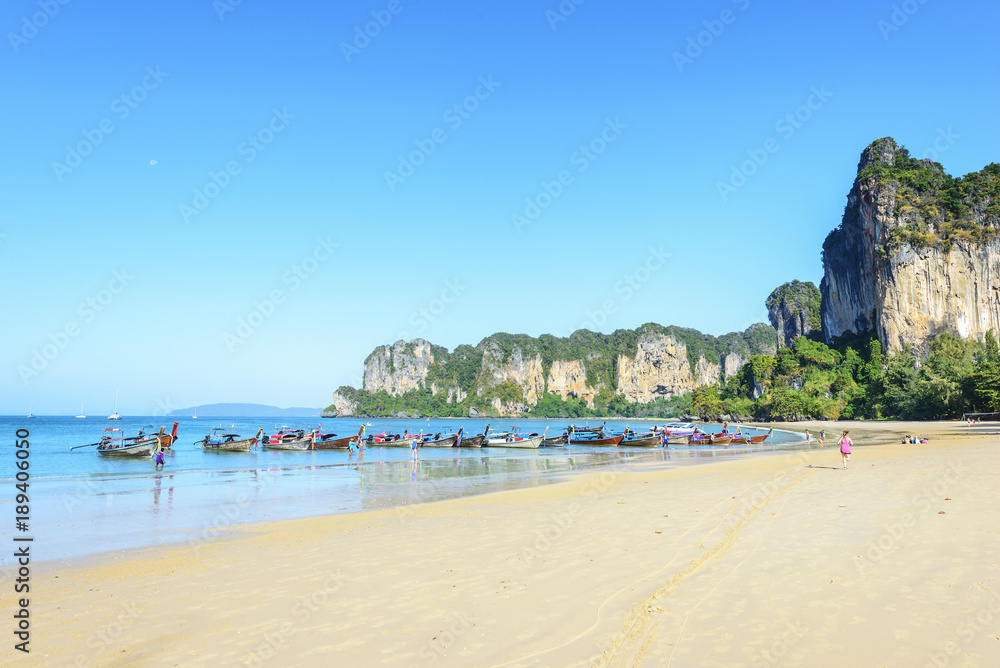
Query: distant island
244, 410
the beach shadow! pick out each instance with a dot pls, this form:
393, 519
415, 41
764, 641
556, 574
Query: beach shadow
835, 468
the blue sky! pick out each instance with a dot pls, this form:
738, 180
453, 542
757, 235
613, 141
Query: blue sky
262, 251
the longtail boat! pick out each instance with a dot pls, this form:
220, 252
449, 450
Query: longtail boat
701, 438
113, 443
756, 440
600, 440
562, 439
328, 443
643, 441
677, 439
221, 442
473, 441
583, 430
384, 440
512, 440
439, 441
288, 439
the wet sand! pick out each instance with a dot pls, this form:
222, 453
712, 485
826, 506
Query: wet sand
780, 559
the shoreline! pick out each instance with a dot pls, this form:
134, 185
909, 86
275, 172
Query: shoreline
699, 565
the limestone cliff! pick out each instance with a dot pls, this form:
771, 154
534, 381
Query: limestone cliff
509, 374
398, 368
343, 404
794, 311
917, 252
569, 379
661, 368
519, 368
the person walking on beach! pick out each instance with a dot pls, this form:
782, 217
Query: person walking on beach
413, 449
845, 447
808, 437
822, 435
158, 458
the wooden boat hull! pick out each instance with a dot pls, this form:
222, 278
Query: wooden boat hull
532, 442
725, 440
472, 441
300, 445
237, 445
141, 449
643, 442
613, 441
397, 443
678, 440
335, 443
242, 445
446, 442
756, 440
555, 441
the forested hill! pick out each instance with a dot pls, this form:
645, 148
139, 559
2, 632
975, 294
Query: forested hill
515, 374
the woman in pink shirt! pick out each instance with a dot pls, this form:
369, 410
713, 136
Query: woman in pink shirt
845, 447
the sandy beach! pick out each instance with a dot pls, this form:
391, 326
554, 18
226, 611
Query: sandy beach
776, 559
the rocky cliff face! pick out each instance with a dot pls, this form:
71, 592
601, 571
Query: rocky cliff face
343, 406
660, 368
398, 368
794, 311
731, 363
519, 368
914, 255
569, 379
510, 374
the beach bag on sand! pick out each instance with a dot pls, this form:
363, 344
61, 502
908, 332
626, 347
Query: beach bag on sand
845, 445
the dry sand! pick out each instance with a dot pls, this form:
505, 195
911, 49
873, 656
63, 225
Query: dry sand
783, 559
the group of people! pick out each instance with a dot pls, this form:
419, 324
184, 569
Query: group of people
914, 439
822, 435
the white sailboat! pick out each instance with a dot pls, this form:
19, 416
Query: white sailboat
115, 415
81, 415
195, 416
29, 409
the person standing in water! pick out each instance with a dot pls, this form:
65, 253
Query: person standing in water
413, 449
845, 447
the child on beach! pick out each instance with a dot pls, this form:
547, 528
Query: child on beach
822, 435
845, 447
413, 448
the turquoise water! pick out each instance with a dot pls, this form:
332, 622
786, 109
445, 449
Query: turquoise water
83, 503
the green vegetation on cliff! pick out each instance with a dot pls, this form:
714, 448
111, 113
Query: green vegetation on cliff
798, 297
852, 379
468, 372
932, 206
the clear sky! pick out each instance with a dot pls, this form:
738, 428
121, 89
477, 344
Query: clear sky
171, 170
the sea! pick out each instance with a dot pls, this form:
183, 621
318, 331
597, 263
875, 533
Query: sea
80, 503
